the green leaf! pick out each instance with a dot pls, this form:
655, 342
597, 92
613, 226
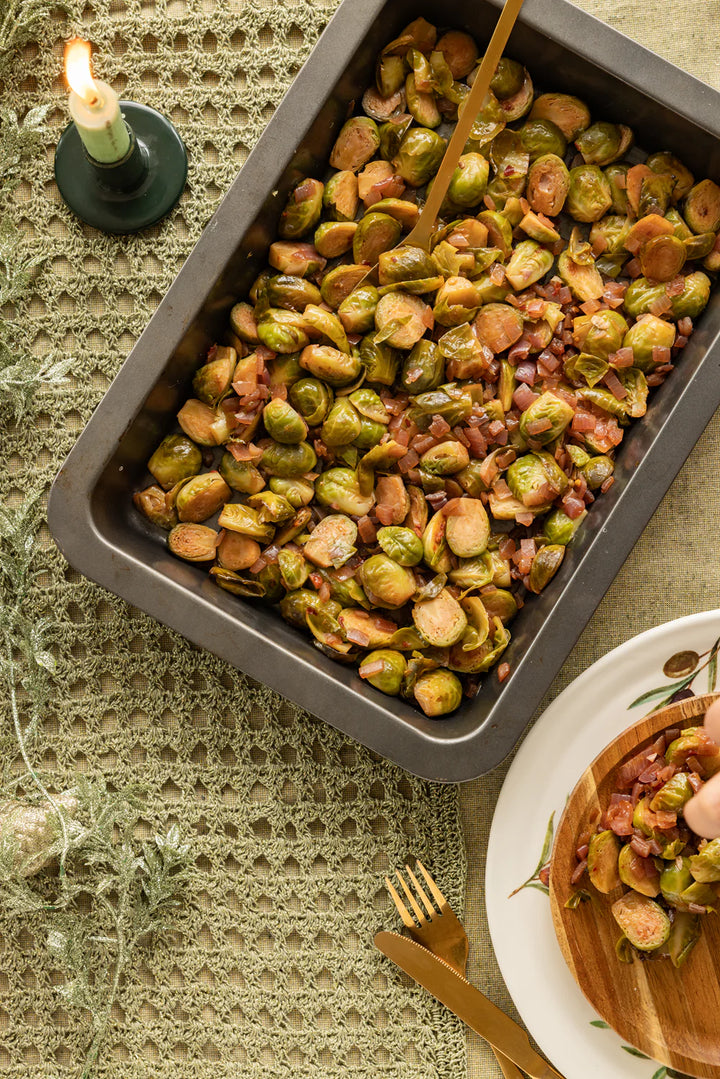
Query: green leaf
713, 667
662, 691
600, 1024
661, 1073
635, 1052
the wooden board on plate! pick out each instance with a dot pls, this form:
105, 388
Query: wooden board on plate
672, 1015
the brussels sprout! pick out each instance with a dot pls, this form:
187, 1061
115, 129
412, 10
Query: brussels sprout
644, 820
302, 210
435, 549
193, 542
175, 459
294, 606
662, 257
482, 658
342, 424
153, 504
297, 492
673, 795
265, 585
405, 265
700, 895
585, 367
473, 572
537, 229
600, 334
545, 565
242, 323
402, 319
602, 859
401, 544
680, 228
389, 74
602, 143
283, 423
326, 325
441, 621
330, 365
536, 480
296, 259
338, 489
694, 297
212, 381
642, 920
558, 528
698, 247
548, 184
203, 424
568, 113
542, 137
241, 476
705, 866
334, 238
340, 197
291, 292
549, 409
684, 935
589, 195
499, 230
419, 156
375, 233
423, 369
467, 528
421, 106
445, 458
294, 570
357, 311
456, 302
655, 194
357, 142
638, 873
528, 263
616, 176
438, 692
667, 163
674, 879
583, 279
597, 470
312, 399
478, 628
382, 107
500, 604
282, 331
240, 518
385, 582
201, 496
648, 332
379, 359
286, 460
702, 207
392, 133
272, 508
468, 182
332, 541
508, 78
338, 283
384, 669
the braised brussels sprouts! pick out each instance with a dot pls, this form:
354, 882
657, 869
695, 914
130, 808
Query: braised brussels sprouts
602, 861
175, 459
153, 504
357, 142
642, 920
546, 418
401, 544
312, 399
384, 669
283, 423
419, 155
589, 195
438, 692
568, 113
548, 184
302, 210
282, 459
385, 582
193, 542
201, 496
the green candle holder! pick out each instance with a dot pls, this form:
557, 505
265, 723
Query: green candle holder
130, 194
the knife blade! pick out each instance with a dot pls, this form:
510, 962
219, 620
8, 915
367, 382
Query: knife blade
467, 1002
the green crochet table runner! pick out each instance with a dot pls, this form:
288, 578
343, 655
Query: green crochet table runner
270, 969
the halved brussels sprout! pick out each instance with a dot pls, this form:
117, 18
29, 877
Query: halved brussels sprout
405, 265
684, 935
602, 859
212, 381
302, 210
482, 658
193, 542
558, 528
202, 424
640, 874
568, 113
545, 565
548, 184
357, 311
541, 137
296, 259
241, 476
528, 263
201, 496
339, 490
334, 238
297, 492
376, 232
705, 865
673, 795
283, 423
385, 582
423, 369
546, 418
282, 331
600, 334
384, 669
702, 207
602, 142
681, 176
438, 692
445, 458
419, 156
469, 181
401, 544
175, 459
153, 504
648, 333
272, 508
338, 283
342, 425
357, 142
332, 541
402, 319
330, 364
589, 195
242, 323
582, 278
468, 527
642, 920
441, 621
340, 197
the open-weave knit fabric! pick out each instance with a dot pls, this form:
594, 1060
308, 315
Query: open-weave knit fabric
272, 971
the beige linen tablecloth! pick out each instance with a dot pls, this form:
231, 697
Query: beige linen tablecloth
674, 568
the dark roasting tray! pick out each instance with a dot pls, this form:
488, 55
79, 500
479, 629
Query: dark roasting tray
91, 513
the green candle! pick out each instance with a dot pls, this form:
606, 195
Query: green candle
95, 108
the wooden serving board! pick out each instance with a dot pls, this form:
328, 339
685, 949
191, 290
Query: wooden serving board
672, 1015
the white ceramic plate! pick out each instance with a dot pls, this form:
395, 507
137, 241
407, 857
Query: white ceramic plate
588, 714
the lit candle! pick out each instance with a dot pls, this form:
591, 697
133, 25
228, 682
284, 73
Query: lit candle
94, 107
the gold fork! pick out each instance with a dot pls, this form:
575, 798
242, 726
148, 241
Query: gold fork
440, 931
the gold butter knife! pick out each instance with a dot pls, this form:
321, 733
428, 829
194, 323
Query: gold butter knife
467, 1002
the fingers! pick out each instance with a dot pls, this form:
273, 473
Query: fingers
712, 720
702, 813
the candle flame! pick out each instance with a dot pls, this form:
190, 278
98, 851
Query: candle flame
78, 72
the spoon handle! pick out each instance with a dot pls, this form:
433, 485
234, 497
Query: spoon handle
420, 235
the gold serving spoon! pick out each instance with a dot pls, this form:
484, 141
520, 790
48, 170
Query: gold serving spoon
421, 234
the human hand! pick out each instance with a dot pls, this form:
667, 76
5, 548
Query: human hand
702, 813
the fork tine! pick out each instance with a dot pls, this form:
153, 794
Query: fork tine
411, 899
436, 893
423, 896
402, 909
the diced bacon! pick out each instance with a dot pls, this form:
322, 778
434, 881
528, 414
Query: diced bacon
526, 372
439, 427
356, 636
409, 461
366, 530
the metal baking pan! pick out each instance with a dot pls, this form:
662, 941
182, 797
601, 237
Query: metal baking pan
100, 533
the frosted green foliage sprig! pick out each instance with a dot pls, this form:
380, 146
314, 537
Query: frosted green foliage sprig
20, 23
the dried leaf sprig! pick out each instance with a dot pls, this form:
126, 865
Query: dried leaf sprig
112, 892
